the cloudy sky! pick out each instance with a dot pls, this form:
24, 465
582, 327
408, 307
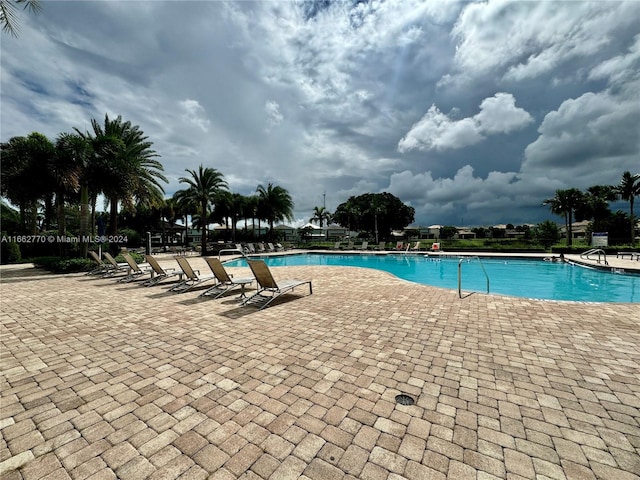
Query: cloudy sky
471, 112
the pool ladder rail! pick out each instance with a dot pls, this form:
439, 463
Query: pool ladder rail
594, 251
460, 273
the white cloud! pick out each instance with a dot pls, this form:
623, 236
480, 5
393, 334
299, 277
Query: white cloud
622, 68
437, 131
272, 109
585, 137
338, 92
523, 40
194, 113
499, 114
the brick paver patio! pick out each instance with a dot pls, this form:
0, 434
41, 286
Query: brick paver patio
102, 380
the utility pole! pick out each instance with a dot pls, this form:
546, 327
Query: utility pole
324, 200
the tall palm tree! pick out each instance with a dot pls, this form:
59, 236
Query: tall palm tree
14, 174
68, 172
238, 204
276, 203
629, 189
129, 171
596, 205
251, 211
9, 14
565, 203
229, 208
321, 215
204, 185
182, 208
26, 176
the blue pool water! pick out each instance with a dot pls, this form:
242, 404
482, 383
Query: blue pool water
515, 277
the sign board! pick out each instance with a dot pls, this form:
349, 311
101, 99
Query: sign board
600, 239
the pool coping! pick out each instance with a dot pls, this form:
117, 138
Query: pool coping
615, 265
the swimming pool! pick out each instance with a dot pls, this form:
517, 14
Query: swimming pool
514, 277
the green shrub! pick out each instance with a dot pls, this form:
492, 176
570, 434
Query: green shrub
10, 253
64, 265
46, 262
72, 265
134, 239
139, 258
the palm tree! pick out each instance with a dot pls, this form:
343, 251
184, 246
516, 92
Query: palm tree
128, 170
229, 208
68, 171
565, 203
9, 15
15, 174
26, 175
251, 211
205, 185
321, 215
596, 205
277, 204
628, 189
182, 209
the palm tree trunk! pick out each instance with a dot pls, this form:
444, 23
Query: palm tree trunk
186, 231
84, 220
570, 230
94, 200
62, 224
48, 212
632, 220
203, 225
23, 218
33, 223
113, 216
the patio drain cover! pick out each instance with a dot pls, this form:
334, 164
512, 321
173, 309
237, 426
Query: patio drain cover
405, 399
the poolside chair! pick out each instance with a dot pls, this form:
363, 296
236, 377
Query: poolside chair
192, 277
271, 247
280, 247
159, 273
114, 267
399, 245
249, 248
435, 247
135, 270
268, 288
101, 267
382, 246
416, 247
349, 246
225, 281
337, 246
364, 245
260, 248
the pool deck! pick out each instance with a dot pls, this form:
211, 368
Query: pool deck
100, 380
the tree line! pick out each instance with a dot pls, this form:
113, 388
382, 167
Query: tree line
44, 178
593, 204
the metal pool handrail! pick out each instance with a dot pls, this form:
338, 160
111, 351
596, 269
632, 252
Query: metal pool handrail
460, 274
595, 251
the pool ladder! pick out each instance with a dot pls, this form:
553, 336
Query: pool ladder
595, 251
460, 273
